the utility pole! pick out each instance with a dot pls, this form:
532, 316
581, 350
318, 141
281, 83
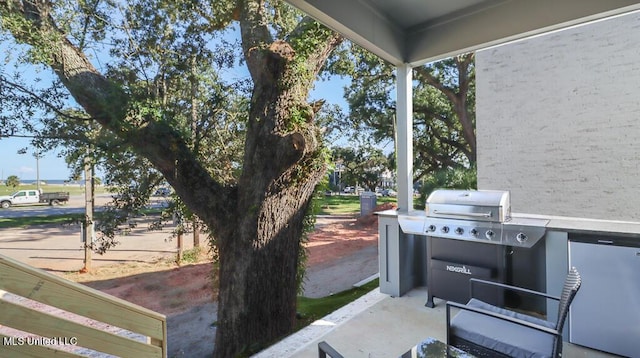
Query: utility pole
178, 220
196, 232
88, 211
37, 155
180, 249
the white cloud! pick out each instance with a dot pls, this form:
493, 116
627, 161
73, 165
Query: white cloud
26, 170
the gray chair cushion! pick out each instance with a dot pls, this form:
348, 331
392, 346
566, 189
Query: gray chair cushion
502, 336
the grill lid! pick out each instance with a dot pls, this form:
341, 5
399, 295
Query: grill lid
478, 205
473, 215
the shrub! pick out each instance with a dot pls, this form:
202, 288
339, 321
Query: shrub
459, 178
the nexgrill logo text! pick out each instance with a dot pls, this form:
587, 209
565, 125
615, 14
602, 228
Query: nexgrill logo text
459, 269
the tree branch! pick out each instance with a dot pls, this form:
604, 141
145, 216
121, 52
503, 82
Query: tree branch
37, 98
108, 104
255, 35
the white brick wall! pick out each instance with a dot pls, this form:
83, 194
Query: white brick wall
558, 121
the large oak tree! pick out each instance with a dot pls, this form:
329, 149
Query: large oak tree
257, 219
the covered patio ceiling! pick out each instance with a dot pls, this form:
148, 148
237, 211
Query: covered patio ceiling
415, 32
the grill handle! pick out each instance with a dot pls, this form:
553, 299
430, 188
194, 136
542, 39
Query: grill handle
476, 215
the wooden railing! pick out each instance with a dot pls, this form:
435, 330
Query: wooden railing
57, 317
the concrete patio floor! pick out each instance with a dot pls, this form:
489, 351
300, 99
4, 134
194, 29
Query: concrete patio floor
380, 326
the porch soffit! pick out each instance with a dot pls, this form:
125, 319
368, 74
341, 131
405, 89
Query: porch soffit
415, 32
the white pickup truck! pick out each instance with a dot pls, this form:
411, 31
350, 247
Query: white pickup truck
24, 197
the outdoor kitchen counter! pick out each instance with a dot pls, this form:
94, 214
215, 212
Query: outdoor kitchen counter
555, 223
391, 213
587, 226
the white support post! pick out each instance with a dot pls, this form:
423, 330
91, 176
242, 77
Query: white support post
404, 137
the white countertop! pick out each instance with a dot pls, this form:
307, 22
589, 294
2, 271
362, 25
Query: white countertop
586, 225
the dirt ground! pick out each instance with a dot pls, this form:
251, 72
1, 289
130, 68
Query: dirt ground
169, 289
186, 293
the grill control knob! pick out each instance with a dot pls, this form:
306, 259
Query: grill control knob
431, 228
445, 229
521, 237
459, 231
489, 234
474, 232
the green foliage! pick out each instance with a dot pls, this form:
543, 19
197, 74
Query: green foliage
344, 204
307, 40
458, 178
444, 113
282, 18
371, 104
443, 98
312, 35
192, 255
12, 181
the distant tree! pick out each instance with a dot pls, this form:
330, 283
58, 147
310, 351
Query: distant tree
450, 125
13, 181
443, 108
362, 166
449, 178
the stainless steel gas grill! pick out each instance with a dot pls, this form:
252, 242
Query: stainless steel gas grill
474, 215
471, 234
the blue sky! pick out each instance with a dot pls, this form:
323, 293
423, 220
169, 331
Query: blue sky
24, 165
54, 168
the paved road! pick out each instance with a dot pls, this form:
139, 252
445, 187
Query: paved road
59, 248
74, 206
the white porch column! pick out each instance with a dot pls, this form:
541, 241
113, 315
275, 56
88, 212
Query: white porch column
404, 136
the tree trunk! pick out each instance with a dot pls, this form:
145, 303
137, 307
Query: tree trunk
258, 223
258, 282
259, 257
259, 254
465, 77
282, 165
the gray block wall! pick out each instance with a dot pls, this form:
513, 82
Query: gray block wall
558, 121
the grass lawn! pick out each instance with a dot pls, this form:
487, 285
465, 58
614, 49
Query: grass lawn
59, 219
312, 309
345, 204
39, 220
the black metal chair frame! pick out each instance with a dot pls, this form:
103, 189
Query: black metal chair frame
570, 288
324, 348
